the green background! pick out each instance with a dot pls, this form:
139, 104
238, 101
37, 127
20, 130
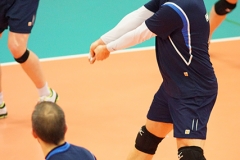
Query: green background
68, 27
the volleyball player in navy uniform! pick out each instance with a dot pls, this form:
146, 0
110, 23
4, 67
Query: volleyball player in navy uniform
19, 16
188, 92
49, 128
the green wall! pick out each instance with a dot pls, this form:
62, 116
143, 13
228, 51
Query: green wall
69, 27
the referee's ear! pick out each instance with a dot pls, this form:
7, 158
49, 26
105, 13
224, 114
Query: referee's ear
66, 127
34, 134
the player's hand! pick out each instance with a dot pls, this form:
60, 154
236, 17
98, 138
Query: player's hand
101, 52
91, 57
93, 46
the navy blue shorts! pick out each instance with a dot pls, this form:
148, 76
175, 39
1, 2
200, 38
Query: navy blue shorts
188, 115
18, 15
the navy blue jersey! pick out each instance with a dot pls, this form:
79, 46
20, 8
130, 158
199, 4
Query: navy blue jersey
182, 30
70, 152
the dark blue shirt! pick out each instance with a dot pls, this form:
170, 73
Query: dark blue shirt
182, 30
69, 152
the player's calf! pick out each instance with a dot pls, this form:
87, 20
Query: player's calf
190, 153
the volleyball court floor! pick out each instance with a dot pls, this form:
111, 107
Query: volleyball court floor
106, 104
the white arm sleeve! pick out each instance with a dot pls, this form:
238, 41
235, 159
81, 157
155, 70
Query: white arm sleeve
128, 23
136, 36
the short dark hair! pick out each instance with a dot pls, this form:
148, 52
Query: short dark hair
48, 122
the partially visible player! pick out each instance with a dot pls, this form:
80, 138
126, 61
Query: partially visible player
219, 12
49, 128
19, 16
185, 98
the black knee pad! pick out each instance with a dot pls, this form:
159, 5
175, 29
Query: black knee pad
23, 58
146, 141
190, 153
222, 7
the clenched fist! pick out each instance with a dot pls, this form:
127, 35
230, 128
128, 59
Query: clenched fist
98, 51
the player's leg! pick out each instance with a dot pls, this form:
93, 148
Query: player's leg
29, 61
148, 138
190, 118
157, 126
3, 25
3, 108
191, 153
219, 12
17, 44
22, 16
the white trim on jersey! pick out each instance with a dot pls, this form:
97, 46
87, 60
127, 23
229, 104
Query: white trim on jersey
179, 53
136, 36
130, 22
185, 31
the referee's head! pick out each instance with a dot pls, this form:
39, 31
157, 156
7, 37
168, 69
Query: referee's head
48, 122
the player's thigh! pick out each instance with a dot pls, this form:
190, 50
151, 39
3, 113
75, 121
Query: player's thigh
190, 116
17, 43
159, 129
159, 120
232, 1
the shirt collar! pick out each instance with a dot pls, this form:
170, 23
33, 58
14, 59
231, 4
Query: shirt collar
58, 149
